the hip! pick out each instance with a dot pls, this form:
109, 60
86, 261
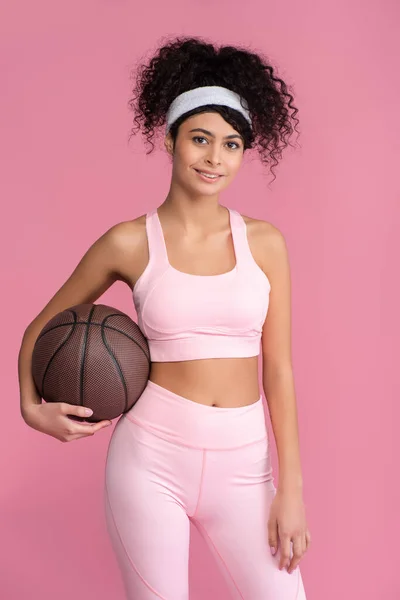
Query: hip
192, 424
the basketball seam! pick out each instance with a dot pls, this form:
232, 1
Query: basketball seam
96, 325
85, 343
54, 355
116, 364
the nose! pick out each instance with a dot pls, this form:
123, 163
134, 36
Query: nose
213, 157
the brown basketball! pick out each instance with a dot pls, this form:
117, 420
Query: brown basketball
92, 355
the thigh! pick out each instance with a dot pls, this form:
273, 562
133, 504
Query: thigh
147, 524
233, 520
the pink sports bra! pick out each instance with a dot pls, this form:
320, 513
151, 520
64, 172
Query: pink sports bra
186, 316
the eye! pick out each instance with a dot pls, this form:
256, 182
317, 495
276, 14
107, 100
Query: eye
198, 137
235, 144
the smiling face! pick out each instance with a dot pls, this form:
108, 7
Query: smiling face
205, 143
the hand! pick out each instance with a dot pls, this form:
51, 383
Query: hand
52, 418
286, 525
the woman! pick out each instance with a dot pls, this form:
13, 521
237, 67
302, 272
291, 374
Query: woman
210, 286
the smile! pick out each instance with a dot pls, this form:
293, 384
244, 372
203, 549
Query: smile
207, 177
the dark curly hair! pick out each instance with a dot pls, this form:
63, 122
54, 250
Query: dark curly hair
185, 63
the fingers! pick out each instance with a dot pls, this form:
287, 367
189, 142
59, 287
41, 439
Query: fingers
84, 430
285, 550
300, 544
73, 409
83, 412
308, 539
88, 428
76, 429
273, 537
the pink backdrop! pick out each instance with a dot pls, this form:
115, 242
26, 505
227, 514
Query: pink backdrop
69, 174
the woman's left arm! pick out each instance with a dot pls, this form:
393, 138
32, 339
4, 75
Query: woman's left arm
287, 521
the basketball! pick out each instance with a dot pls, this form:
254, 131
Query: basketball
91, 355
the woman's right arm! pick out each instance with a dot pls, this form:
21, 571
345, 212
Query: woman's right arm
105, 262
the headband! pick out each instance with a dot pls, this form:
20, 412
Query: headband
201, 96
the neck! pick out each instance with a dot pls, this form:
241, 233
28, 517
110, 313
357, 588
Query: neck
191, 213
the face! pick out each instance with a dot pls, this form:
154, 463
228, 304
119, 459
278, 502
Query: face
205, 142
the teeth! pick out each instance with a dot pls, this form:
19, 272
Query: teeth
208, 175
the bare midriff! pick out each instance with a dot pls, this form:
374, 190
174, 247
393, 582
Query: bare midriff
222, 382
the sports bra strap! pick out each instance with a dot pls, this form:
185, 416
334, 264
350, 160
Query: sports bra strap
155, 238
240, 240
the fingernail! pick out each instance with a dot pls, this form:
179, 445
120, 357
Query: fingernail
272, 549
88, 411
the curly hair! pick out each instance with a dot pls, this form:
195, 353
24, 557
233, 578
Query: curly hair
185, 63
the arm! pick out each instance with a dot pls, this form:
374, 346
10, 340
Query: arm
278, 380
106, 261
287, 525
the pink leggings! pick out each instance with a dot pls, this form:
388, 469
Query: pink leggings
172, 461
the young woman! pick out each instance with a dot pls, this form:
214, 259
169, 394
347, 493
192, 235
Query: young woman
210, 287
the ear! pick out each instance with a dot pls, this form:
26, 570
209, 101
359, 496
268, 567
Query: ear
168, 143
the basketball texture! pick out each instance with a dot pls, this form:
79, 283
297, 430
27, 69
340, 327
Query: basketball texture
92, 355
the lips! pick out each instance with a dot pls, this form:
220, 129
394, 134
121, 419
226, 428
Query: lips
206, 179
208, 173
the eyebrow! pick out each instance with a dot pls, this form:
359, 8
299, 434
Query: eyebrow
227, 137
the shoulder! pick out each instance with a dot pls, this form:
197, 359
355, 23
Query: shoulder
127, 236
268, 247
126, 246
264, 235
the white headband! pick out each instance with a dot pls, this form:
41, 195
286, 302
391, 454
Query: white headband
210, 94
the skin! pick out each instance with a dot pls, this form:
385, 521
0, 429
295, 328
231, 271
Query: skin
198, 240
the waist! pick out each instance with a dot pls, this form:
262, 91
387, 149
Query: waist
223, 382
182, 421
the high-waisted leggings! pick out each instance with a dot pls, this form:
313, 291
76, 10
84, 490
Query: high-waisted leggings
172, 461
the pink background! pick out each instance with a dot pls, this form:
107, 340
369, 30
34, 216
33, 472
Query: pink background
69, 174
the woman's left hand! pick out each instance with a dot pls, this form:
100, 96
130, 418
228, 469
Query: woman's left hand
286, 525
